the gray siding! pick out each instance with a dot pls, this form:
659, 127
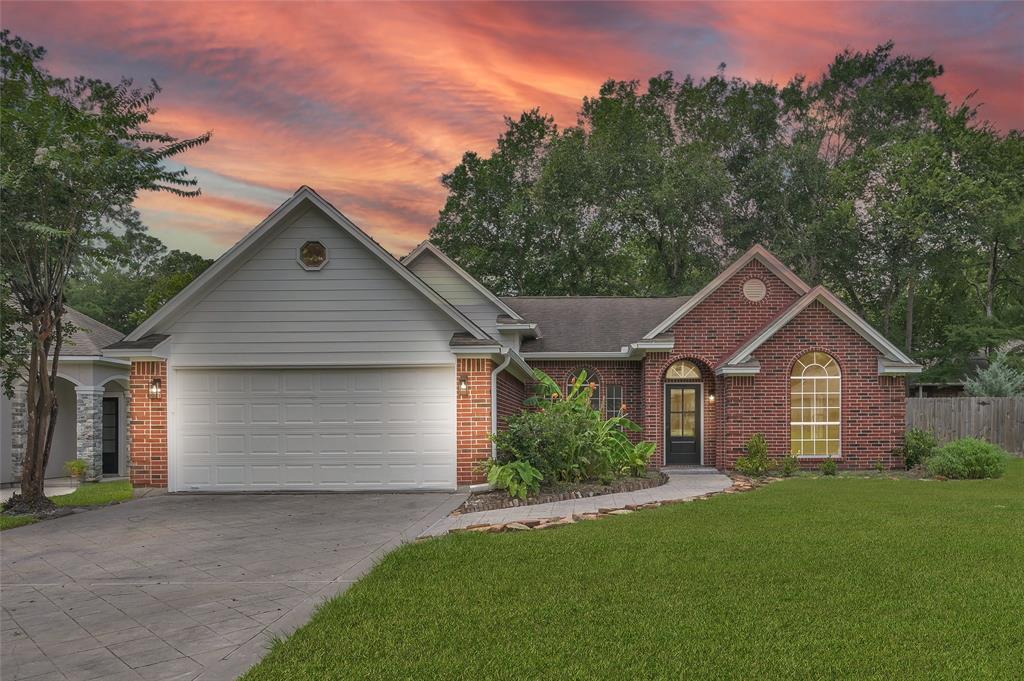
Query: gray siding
457, 291
270, 311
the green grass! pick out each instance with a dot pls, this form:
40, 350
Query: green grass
9, 522
96, 494
803, 579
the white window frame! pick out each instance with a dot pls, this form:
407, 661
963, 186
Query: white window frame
814, 393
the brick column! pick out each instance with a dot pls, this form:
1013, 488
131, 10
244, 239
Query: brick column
89, 427
473, 421
19, 428
148, 425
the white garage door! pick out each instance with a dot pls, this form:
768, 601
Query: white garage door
336, 429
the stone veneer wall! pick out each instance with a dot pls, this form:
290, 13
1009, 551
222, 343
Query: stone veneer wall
89, 428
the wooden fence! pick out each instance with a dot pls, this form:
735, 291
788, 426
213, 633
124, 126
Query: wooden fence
999, 420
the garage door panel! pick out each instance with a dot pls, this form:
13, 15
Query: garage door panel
310, 429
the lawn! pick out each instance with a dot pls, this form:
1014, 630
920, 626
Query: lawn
96, 494
89, 494
806, 578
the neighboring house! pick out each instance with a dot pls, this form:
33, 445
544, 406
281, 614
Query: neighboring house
307, 357
91, 414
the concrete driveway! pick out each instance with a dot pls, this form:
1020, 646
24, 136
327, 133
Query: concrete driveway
186, 587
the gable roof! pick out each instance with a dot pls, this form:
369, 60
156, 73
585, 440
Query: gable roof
255, 238
758, 252
89, 337
427, 247
893, 359
586, 324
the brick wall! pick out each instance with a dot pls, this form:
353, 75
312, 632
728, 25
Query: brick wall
473, 418
873, 407
705, 336
148, 426
511, 393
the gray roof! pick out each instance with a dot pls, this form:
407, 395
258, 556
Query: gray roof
590, 323
147, 342
89, 337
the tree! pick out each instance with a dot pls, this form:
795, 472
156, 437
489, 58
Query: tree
75, 154
998, 379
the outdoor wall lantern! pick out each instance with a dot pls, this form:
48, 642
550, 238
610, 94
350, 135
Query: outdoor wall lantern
154, 389
463, 385
711, 398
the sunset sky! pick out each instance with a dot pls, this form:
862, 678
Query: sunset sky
370, 103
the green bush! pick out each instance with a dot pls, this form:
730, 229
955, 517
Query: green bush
918, 446
75, 468
968, 458
564, 438
756, 463
829, 467
518, 477
790, 465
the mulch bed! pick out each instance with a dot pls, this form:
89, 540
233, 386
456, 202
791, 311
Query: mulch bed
494, 499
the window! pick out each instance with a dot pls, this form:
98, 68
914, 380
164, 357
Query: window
591, 377
683, 371
815, 405
313, 255
612, 400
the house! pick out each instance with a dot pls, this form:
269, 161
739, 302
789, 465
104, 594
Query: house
307, 357
92, 394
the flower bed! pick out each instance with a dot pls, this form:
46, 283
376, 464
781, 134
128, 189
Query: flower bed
494, 499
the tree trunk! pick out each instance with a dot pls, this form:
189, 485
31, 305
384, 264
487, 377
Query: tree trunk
909, 329
42, 409
991, 280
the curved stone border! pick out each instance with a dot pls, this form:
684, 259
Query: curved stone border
683, 485
501, 502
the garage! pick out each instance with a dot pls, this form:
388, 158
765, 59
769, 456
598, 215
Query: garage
313, 429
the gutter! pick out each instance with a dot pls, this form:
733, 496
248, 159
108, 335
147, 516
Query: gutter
494, 397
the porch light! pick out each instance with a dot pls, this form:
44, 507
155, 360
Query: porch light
154, 389
711, 398
463, 385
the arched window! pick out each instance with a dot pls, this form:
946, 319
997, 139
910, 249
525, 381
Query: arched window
683, 371
591, 377
815, 394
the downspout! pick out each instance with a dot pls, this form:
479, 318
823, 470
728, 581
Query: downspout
494, 398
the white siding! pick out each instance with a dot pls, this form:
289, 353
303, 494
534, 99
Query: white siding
457, 291
270, 311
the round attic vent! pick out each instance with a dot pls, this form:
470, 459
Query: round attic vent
754, 290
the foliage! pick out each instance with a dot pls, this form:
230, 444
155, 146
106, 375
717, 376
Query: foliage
918, 446
998, 379
564, 438
865, 179
968, 458
789, 466
131, 277
75, 154
75, 468
518, 477
792, 553
756, 463
829, 467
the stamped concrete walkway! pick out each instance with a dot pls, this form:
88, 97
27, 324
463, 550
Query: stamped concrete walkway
683, 483
187, 587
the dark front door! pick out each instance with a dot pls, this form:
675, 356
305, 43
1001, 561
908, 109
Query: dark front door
110, 431
682, 424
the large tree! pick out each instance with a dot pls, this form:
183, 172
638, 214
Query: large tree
865, 179
74, 155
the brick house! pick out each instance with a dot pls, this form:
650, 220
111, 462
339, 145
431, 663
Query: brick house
307, 357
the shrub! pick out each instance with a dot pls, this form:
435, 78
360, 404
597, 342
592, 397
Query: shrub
998, 379
790, 465
829, 467
756, 463
518, 477
918, 446
968, 458
75, 467
566, 439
